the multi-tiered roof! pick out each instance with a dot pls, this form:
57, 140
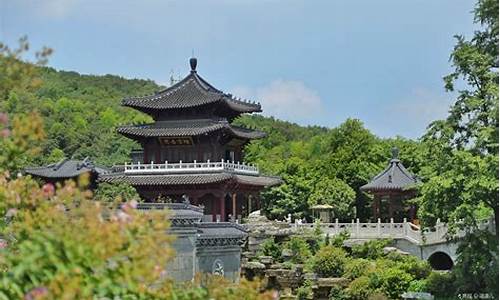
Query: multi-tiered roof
197, 116
191, 107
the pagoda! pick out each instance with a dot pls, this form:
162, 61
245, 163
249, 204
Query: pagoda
390, 188
192, 153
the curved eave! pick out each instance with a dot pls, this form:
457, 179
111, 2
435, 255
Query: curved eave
241, 106
190, 179
138, 132
388, 188
192, 91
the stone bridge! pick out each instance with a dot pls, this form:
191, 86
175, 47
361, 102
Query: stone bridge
429, 244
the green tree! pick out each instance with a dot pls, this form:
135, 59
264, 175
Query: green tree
461, 181
329, 261
334, 192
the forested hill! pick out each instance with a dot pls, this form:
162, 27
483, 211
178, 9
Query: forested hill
81, 112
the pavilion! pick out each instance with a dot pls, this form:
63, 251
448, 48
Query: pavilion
67, 169
390, 188
192, 151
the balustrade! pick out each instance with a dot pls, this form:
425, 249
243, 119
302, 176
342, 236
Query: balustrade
192, 167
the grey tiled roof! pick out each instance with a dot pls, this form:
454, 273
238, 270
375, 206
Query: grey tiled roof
66, 168
178, 210
142, 180
190, 179
394, 178
191, 91
187, 128
221, 229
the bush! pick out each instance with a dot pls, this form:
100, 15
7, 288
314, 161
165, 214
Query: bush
355, 268
110, 193
305, 291
360, 288
299, 248
418, 268
338, 293
329, 261
338, 240
270, 248
394, 282
440, 284
371, 249
417, 286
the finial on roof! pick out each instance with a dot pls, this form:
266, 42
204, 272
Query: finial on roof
395, 152
193, 62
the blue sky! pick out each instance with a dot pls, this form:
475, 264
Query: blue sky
310, 62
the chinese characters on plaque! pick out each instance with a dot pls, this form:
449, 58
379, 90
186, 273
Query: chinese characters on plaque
176, 141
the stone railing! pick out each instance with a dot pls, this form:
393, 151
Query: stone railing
404, 230
187, 168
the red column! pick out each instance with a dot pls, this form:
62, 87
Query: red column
222, 201
234, 206
214, 210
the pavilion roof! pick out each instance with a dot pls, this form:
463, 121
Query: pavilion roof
195, 127
192, 91
66, 168
188, 179
395, 177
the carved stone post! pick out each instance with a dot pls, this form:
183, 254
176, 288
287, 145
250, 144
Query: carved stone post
357, 227
378, 226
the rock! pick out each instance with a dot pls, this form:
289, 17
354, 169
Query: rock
254, 265
266, 260
330, 282
394, 249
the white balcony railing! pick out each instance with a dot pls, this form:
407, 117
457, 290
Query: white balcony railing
194, 167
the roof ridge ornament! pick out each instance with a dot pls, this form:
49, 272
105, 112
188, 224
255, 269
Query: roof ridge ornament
193, 62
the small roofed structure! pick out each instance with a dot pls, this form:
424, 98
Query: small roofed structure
322, 212
67, 169
390, 188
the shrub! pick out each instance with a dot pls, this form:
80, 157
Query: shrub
329, 262
338, 293
299, 248
417, 286
338, 240
418, 268
394, 282
371, 249
360, 288
355, 268
440, 284
305, 291
110, 193
270, 248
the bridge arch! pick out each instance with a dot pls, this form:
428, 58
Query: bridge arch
440, 261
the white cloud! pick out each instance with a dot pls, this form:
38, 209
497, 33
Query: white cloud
284, 99
420, 108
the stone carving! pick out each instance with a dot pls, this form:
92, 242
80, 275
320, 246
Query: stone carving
218, 268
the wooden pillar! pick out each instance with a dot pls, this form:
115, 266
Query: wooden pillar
391, 207
214, 211
222, 201
249, 208
234, 206
376, 206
